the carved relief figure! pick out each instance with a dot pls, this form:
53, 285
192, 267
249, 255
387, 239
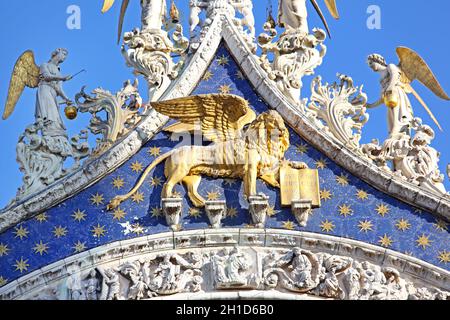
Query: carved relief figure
245, 7
43, 148
296, 271
332, 267
293, 14
175, 274
74, 286
112, 280
48, 79
230, 269
92, 286
396, 85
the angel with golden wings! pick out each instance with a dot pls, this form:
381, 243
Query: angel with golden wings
47, 79
396, 85
293, 14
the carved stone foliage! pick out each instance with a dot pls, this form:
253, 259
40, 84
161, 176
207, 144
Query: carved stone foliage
339, 109
151, 52
410, 157
124, 111
295, 270
41, 156
240, 10
295, 55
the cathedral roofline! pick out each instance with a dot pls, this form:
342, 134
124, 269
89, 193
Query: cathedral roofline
223, 29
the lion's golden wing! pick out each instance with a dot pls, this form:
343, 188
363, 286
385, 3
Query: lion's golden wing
220, 116
25, 74
414, 67
331, 5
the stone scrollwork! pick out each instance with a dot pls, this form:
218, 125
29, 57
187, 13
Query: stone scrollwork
339, 109
410, 157
295, 55
124, 111
167, 274
337, 277
200, 271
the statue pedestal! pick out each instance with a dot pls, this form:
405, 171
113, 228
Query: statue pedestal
258, 209
172, 208
216, 211
301, 210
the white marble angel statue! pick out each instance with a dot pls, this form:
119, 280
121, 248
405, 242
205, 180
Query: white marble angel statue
153, 13
43, 148
293, 14
396, 85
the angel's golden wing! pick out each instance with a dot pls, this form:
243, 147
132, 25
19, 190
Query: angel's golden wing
220, 116
331, 5
123, 10
415, 68
25, 74
107, 4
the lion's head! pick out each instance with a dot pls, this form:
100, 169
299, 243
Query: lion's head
269, 133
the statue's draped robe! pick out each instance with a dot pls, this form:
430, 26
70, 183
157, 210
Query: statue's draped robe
402, 115
153, 14
47, 109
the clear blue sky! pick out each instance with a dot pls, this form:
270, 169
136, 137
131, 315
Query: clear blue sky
40, 25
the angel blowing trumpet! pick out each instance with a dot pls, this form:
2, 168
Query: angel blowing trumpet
249, 154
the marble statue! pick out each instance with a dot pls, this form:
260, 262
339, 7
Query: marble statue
74, 286
92, 286
194, 16
45, 145
153, 14
396, 85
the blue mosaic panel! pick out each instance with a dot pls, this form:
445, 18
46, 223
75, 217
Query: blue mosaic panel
350, 207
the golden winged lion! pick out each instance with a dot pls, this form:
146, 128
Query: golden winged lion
396, 85
236, 153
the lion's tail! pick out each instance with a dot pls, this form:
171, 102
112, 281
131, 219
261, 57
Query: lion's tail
114, 203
